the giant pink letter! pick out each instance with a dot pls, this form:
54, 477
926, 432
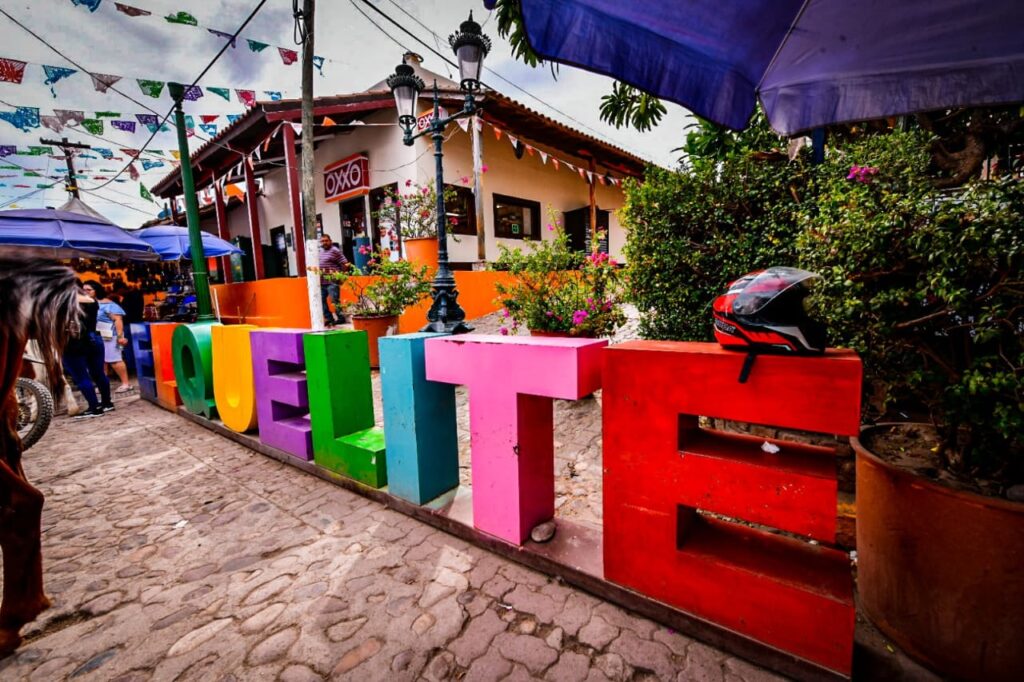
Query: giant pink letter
511, 382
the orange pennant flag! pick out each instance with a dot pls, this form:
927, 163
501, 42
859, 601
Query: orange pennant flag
497, 132
328, 122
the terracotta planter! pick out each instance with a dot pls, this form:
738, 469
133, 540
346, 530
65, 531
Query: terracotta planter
375, 327
941, 571
422, 251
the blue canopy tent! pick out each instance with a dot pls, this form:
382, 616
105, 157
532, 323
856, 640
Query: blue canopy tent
72, 231
810, 62
172, 243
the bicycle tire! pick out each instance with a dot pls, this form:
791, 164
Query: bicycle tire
44, 414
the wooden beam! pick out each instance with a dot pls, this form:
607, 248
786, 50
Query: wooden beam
294, 198
330, 110
254, 218
222, 230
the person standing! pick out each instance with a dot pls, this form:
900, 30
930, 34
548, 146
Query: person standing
331, 260
110, 324
83, 360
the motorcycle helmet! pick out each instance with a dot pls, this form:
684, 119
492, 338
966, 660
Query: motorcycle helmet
764, 312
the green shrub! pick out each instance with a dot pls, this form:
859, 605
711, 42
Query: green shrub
929, 288
691, 233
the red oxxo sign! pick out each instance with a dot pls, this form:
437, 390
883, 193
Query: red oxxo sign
347, 178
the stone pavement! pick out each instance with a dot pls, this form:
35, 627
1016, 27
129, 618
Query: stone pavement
172, 553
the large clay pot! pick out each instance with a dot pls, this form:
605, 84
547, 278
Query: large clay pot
940, 571
422, 251
375, 327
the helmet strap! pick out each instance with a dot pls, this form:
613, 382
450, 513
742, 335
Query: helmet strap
748, 365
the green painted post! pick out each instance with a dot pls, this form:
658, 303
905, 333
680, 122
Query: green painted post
200, 275
345, 439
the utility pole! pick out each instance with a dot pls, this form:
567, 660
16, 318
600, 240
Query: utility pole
200, 275
69, 155
305, 22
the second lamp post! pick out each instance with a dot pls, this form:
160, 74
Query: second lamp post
470, 46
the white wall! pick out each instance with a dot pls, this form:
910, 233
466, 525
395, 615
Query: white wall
391, 161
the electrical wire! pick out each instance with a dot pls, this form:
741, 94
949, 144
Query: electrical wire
450, 62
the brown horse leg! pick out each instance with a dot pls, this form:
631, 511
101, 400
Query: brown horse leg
21, 507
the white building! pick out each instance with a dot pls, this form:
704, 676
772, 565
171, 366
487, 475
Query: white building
552, 167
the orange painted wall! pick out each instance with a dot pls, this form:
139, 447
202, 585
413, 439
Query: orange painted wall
281, 302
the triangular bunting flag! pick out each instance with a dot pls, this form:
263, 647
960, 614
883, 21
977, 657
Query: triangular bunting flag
318, 64
22, 118
479, 123
54, 74
289, 57
91, 5
69, 116
221, 34
176, 154
246, 97
151, 88
108, 114
554, 162
581, 172
257, 46
209, 118
133, 172
273, 95
132, 153
147, 119
543, 157
192, 93
126, 126
297, 127
103, 81
190, 122
513, 140
104, 152
11, 71
93, 125
182, 18
232, 117
328, 122
463, 123
144, 193
52, 122
497, 132
220, 92
208, 128
147, 164
590, 177
8, 150
529, 150
131, 11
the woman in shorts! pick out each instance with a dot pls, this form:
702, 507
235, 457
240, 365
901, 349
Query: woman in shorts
110, 325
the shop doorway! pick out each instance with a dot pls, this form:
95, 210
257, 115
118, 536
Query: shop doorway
279, 251
353, 224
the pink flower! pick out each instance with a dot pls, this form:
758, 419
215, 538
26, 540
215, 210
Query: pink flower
364, 249
579, 316
398, 202
483, 168
613, 263
505, 313
453, 220
551, 228
504, 331
550, 313
464, 179
862, 173
408, 183
424, 190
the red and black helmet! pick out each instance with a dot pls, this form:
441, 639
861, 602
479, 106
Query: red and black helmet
764, 312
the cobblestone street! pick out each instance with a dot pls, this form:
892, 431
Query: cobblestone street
172, 553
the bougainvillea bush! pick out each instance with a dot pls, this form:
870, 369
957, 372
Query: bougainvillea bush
928, 286
560, 290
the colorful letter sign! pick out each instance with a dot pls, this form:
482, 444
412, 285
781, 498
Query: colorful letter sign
282, 399
345, 439
347, 178
193, 367
160, 334
661, 467
233, 385
142, 348
511, 383
419, 422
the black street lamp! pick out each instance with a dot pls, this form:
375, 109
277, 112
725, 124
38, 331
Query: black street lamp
470, 46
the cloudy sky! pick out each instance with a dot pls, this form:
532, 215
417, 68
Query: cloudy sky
357, 53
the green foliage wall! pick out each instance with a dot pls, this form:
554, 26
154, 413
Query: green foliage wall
690, 234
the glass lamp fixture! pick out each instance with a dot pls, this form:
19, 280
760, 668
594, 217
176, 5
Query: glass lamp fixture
405, 86
470, 46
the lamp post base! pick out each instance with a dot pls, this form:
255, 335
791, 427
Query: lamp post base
440, 327
445, 315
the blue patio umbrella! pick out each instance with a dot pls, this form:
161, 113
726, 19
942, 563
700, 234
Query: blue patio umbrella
172, 243
809, 62
72, 231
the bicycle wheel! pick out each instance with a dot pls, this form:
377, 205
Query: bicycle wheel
35, 411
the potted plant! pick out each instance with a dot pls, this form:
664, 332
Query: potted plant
415, 211
929, 288
379, 299
558, 291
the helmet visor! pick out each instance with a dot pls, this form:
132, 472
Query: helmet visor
767, 286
